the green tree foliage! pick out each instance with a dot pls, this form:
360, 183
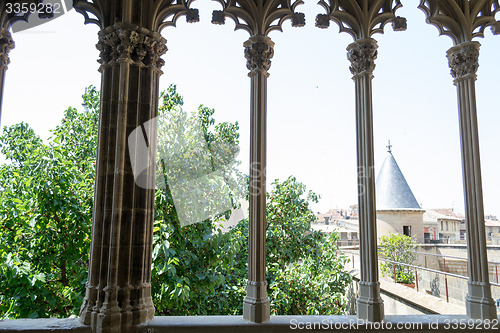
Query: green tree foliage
45, 214
196, 162
305, 273
398, 248
190, 261
46, 203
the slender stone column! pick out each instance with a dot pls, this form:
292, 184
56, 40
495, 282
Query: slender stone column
6, 44
362, 19
362, 54
258, 18
463, 61
118, 293
258, 52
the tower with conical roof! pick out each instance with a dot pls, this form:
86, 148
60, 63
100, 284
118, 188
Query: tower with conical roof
397, 209
392, 189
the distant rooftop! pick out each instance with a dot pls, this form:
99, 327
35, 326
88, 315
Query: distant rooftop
434, 215
392, 190
449, 212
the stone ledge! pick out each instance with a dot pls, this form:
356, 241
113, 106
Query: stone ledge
426, 303
44, 325
430, 303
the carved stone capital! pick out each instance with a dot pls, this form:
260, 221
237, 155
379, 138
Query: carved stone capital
362, 55
130, 43
463, 60
259, 50
6, 44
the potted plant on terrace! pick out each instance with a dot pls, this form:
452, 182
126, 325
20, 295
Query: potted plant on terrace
399, 249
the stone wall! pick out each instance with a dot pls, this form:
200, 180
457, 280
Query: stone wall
392, 221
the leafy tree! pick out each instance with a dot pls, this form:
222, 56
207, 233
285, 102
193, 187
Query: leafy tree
198, 269
196, 162
398, 248
305, 273
46, 203
315, 285
45, 214
289, 219
192, 261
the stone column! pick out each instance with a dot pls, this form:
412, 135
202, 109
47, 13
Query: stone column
362, 54
118, 294
6, 44
258, 52
463, 61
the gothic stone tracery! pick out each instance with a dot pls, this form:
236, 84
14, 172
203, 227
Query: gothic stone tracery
132, 44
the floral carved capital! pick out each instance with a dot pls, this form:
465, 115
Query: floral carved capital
362, 55
131, 44
6, 44
463, 60
259, 50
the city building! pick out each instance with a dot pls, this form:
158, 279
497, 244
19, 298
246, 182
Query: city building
440, 227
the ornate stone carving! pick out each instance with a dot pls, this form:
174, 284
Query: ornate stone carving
192, 15
6, 44
218, 17
298, 20
463, 60
361, 19
259, 17
461, 22
322, 21
129, 43
258, 51
362, 55
399, 24
160, 13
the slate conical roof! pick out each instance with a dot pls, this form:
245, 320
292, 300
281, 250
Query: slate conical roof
392, 190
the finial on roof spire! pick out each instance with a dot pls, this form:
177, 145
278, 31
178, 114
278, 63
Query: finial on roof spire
389, 146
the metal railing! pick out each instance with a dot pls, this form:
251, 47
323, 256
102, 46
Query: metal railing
495, 264
416, 268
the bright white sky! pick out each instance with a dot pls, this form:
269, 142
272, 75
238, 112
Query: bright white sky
311, 121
